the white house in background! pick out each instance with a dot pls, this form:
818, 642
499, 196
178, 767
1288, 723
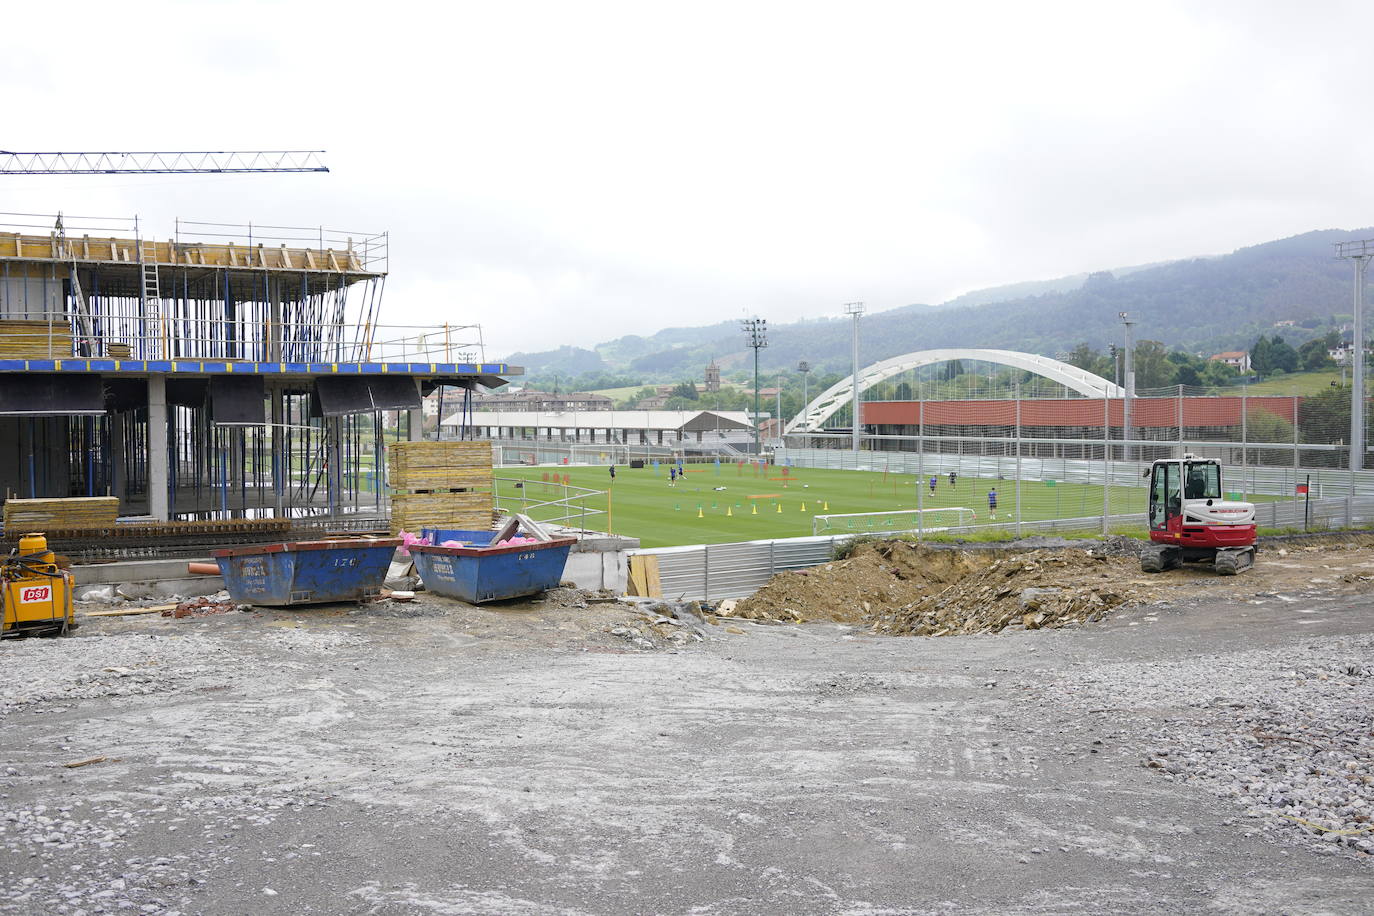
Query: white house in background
1341, 353
1236, 359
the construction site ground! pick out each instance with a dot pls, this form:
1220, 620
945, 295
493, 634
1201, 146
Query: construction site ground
1203, 744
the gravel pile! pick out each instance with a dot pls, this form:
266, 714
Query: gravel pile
1289, 735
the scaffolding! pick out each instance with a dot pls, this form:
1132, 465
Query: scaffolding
228, 370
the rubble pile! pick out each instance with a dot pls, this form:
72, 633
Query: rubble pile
1033, 590
878, 577
203, 607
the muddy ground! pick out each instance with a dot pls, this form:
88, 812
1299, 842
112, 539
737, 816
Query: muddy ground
548, 757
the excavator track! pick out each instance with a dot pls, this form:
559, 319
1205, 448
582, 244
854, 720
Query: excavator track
1232, 561
1159, 557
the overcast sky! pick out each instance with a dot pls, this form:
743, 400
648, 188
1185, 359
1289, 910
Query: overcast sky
568, 172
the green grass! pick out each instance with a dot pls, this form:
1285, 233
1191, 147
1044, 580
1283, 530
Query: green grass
642, 504
1301, 383
618, 394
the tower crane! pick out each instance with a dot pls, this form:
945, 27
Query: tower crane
161, 163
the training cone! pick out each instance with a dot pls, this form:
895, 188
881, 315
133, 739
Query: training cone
729, 511
803, 508
700, 514
754, 510
825, 507
779, 505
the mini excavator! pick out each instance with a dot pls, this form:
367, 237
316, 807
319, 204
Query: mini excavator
1191, 522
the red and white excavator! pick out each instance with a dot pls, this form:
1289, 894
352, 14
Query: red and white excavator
1190, 521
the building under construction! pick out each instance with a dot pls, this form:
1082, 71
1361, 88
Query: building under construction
220, 372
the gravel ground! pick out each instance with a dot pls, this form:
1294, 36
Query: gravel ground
531, 759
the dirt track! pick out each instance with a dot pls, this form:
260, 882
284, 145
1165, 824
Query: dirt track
443, 759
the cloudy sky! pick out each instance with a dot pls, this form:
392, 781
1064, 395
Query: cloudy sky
569, 172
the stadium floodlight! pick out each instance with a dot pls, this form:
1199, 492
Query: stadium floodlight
1359, 251
855, 309
756, 330
1129, 377
805, 369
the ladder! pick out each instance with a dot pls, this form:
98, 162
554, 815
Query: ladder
86, 346
85, 343
151, 301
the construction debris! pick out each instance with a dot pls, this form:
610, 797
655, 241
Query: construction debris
877, 578
903, 589
1033, 590
203, 607
163, 609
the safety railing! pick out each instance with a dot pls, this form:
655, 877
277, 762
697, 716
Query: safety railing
40, 334
549, 500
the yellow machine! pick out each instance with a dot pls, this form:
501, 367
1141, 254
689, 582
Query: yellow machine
36, 594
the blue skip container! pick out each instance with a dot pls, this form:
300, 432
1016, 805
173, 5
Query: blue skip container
476, 572
307, 572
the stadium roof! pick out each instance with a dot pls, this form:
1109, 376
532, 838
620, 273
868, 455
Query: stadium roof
686, 420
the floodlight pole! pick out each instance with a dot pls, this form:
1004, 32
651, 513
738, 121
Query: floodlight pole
1360, 252
756, 329
1130, 385
856, 309
805, 369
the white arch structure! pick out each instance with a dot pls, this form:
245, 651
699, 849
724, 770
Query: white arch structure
842, 392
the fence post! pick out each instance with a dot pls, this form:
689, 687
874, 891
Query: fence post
1244, 436
1180, 421
1017, 395
1106, 461
706, 572
1296, 465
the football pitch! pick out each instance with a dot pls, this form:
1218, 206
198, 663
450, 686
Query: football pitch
716, 505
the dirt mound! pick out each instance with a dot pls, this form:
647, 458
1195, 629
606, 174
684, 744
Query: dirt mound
1031, 590
876, 579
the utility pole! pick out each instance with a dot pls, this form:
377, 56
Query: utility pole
855, 309
805, 369
756, 329
1360, 252
1126, 432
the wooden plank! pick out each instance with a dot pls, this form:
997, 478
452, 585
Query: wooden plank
651, 579
644, 579
131, 611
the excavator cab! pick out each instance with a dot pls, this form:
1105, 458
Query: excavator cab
1190, 520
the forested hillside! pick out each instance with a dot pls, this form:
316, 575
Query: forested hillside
1200, 305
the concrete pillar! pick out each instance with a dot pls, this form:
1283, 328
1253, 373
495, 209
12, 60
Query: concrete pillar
119, 474
158, 503
334, 476
277, 398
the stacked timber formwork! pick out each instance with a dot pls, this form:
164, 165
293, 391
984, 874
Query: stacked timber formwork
72, 512
440, 485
